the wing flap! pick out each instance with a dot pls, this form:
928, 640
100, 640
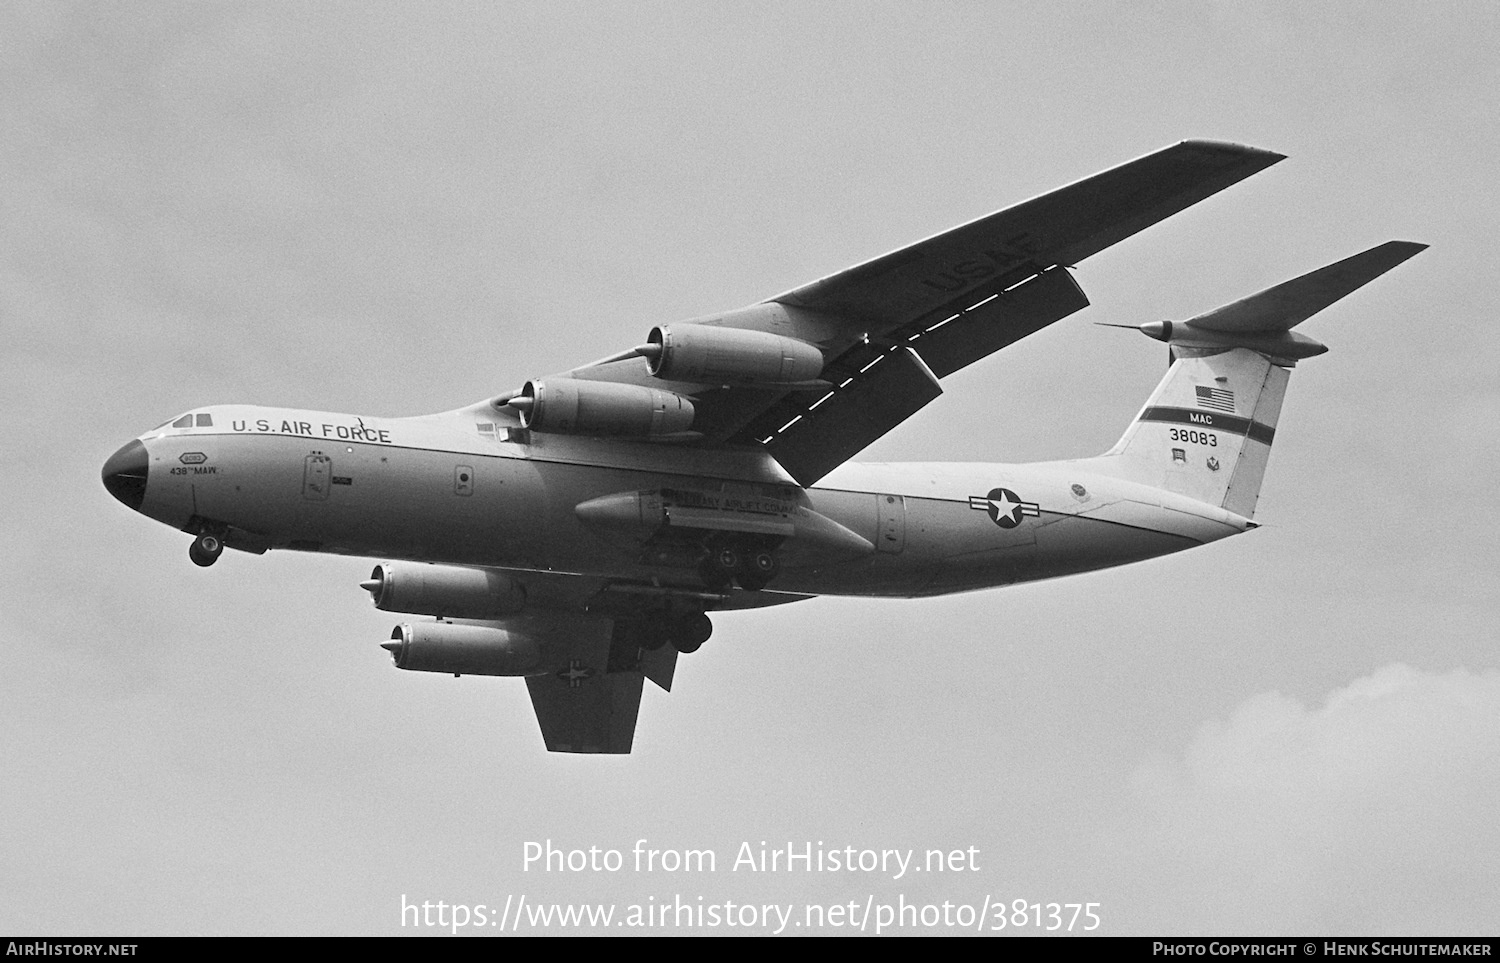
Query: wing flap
659, 665
1003, 319
895, 386
951, 338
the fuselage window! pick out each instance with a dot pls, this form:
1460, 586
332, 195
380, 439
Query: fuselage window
205, 421
186, 421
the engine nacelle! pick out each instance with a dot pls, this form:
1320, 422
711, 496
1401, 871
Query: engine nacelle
463, 649
713, 355
445, 590
572, 406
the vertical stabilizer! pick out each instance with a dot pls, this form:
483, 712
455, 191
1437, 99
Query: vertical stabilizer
1207, 429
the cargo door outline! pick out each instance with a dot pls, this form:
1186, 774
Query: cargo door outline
317, 476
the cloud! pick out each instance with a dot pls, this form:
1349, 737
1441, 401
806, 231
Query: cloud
1373, 814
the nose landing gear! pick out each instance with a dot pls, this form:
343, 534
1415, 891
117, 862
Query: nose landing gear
206, 549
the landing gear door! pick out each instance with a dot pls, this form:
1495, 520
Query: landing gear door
890, 535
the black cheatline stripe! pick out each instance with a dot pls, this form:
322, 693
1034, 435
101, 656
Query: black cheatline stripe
1215, 420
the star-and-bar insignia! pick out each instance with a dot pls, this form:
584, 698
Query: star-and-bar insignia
1005, 507
575, 674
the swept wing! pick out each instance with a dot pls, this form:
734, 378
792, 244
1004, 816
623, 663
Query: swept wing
891, 328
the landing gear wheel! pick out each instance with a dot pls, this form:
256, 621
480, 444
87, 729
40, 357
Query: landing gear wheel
689, 632
759, 570
720, 565
206, 549
727, 559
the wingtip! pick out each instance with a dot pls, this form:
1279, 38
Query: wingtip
1265, 157
1393, 253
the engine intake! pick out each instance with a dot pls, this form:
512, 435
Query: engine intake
572, 406
444, 590
462, 649
709, 354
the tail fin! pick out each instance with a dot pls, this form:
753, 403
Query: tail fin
1206, 430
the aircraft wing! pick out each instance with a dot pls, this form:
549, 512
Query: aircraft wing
583, 712
889, 329
593, 644
588, 697
1061, 227
934, 307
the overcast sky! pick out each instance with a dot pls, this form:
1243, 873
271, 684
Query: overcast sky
402, 208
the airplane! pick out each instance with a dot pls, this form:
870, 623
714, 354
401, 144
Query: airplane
579, 530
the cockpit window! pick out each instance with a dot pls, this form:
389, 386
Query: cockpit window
205, 421
186, 421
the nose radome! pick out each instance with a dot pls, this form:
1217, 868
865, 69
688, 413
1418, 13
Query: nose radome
125, 474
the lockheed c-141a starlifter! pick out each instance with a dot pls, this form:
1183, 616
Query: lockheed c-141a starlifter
580, 530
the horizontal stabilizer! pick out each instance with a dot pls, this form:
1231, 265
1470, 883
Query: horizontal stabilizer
1281, 307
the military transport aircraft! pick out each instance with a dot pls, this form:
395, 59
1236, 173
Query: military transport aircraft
578, 529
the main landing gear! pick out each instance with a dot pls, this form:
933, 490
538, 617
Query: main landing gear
684, 631
206, 549
752, 566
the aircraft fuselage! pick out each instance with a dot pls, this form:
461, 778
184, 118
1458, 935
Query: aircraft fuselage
469, 488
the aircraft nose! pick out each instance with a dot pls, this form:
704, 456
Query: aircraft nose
125, 474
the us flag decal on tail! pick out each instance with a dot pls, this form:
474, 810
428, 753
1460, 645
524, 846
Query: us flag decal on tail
1219, 399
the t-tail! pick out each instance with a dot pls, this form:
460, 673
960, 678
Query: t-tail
1207, 429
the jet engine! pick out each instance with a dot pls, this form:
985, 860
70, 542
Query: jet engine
462, 649
573, 406
444, 590
709, 354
